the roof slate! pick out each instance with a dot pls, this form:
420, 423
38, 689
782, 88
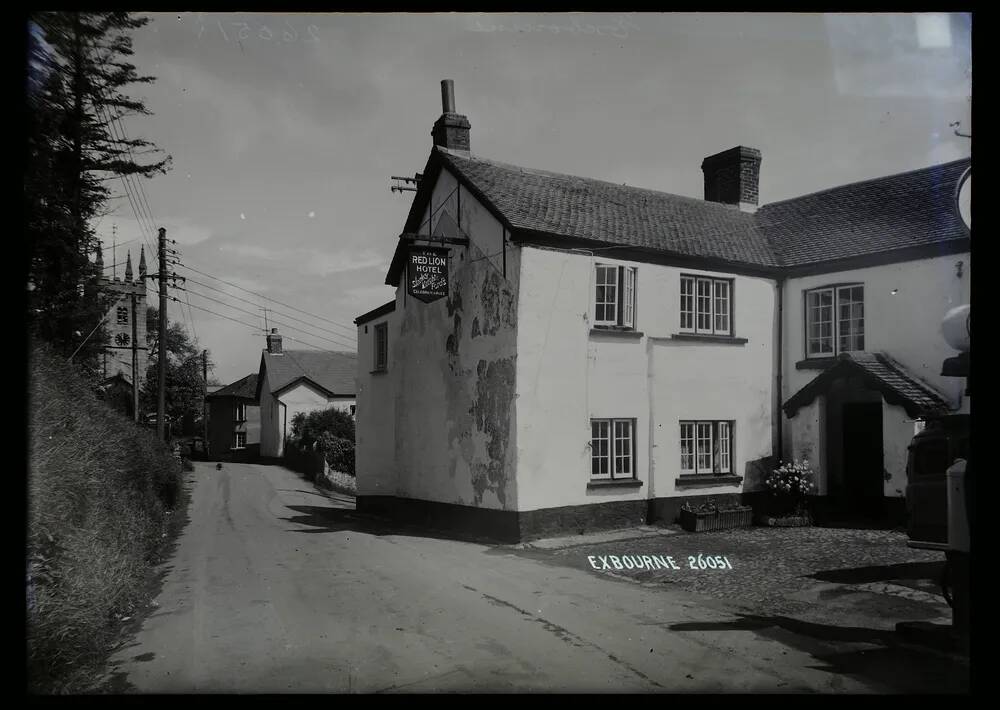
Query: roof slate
245, 388
883, 373
874, 216
333, 371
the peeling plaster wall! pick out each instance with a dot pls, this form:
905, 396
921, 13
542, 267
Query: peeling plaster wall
453, 368
375, 422
566, 376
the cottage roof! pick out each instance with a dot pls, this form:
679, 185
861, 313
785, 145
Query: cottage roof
881, 216
881, 373
332, 372
244, 388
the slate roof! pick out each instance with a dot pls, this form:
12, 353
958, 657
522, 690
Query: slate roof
885, 214
570, 206
333, 372
895, 212
245, 388
880, 372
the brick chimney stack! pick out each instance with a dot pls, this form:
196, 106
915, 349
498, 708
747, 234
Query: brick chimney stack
451, 130
732, 176
274, 342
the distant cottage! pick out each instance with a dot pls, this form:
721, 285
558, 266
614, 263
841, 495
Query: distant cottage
606, 353
294, 381
234, 421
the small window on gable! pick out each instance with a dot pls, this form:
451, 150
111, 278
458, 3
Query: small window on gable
381, 347
122, 313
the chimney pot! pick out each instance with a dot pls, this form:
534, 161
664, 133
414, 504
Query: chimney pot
447, 96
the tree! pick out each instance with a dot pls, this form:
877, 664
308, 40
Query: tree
184, 394
77, 70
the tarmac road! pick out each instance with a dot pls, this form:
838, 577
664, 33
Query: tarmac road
276, 587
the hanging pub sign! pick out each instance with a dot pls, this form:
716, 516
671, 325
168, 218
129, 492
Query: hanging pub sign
427, 273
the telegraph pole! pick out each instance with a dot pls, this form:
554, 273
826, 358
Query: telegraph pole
135, 363
204, 398
161, 390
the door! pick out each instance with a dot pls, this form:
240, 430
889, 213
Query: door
863, 471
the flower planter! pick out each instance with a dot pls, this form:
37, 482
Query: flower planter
716, 520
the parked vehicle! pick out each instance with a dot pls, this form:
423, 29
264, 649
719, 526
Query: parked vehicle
942, 441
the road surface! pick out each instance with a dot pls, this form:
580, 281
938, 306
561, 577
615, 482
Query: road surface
277, 587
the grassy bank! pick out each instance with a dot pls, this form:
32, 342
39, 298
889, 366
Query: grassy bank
101, 491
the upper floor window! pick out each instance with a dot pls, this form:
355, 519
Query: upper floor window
122, 315
614, 296
381, 346
706, 305
240, 413
835, 320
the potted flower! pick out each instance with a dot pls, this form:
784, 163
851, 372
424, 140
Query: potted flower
790, 484
709, 516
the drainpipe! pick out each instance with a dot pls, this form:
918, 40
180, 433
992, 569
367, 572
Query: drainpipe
780, 287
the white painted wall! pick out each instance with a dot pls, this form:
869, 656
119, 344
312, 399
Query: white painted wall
451, 374
276, 412
375, 423
805, 440
566, 376
906, 325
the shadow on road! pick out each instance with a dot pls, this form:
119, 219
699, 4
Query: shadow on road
896, 666
882, 573
327, 518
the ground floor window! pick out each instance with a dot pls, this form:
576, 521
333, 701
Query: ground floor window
706, 447
239, 439
612, 448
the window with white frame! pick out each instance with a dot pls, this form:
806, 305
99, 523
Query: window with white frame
381, 346
706, 447
614, 296
835, 320
239, 439
612, 448
706, 305
240, 412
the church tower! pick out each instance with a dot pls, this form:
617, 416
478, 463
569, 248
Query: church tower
125, 322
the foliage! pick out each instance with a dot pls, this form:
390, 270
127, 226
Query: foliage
99, 490
339, 452
77, 71
792, 481
185, 383
709, 506
308, 427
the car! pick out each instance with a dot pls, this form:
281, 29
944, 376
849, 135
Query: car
932, 451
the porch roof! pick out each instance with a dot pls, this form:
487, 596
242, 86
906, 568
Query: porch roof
879, 372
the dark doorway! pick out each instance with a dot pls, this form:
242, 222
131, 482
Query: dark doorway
863, 470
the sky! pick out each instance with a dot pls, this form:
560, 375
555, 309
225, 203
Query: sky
284, 131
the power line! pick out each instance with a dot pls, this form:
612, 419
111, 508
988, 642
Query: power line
353, 331
253, 327
286, 325
286, 315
